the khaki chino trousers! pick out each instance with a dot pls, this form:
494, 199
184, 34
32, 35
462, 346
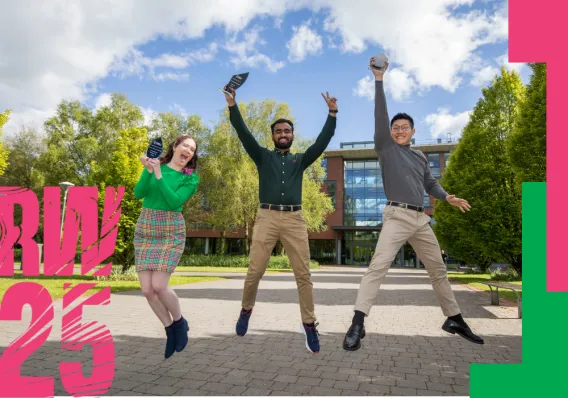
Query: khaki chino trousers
399, 226
290, 228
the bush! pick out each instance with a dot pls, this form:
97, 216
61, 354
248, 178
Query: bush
117, 275
201, 260
474, 271
505, 275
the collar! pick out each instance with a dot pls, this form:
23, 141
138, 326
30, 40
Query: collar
285, 153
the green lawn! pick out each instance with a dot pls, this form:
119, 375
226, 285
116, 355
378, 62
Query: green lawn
225, 269
475, 279
55, 284
195, 269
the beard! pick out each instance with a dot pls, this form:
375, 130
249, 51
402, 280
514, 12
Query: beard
286, 145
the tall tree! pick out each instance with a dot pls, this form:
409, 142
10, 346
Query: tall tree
4, 117
480, 172
230, 177
123, 169
25, 148
70, 146
527, 144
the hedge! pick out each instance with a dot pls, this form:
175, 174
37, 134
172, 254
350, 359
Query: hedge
201, 260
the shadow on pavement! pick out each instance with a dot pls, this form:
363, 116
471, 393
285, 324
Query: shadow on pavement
276, 362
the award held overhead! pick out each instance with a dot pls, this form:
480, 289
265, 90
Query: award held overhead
379, 61
235, 82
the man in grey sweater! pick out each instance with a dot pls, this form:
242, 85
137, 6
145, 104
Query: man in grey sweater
406, 175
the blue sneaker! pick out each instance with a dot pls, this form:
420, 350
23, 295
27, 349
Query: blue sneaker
312, 338
243, 322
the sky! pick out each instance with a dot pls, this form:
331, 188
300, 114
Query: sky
173, 55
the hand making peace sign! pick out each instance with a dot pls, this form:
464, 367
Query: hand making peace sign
330, 101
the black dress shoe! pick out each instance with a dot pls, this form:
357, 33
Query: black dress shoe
464, 331
352, 340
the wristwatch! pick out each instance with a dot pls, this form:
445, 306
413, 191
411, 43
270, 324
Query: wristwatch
333, 111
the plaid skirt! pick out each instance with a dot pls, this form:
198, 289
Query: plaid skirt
159, 240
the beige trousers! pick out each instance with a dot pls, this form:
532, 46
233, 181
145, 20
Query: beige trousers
290, 228
399, 226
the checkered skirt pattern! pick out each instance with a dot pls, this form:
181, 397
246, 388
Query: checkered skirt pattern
159, 240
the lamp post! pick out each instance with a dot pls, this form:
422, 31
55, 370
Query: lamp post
65, 185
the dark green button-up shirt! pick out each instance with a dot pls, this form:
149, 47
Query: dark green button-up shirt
280, 174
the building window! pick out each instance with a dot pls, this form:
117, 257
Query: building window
426, 200
331, 191
364, 196
446, 159
434, 163
322, 251
324, 166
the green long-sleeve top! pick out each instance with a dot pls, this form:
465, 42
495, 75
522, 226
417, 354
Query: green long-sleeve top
167, 193
280, 174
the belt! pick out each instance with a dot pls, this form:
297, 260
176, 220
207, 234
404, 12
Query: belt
419, 209
280, 207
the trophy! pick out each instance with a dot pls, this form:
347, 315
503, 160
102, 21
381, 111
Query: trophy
235, 82
155, 148
380, 60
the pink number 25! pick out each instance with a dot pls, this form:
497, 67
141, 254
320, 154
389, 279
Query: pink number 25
74, 335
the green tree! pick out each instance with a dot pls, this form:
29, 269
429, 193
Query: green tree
480, 172
230, 177
70, 145
25, 148
527, 144
123, 169
4, 117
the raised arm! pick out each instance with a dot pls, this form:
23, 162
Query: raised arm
323, 139
247, 139
383, 137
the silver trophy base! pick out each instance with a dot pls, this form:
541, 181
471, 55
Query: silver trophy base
226, 92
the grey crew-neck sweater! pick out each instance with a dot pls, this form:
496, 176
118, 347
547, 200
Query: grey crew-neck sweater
406, 173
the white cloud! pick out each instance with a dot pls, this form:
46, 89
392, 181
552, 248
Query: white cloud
503, 60
103, 100
149, 115
51, 51
484, 76
399, 84
245, 52
428, 42
135, 63
178, 109
488, 70
304, 42
180, 77
444, 122
365, 88
278, 22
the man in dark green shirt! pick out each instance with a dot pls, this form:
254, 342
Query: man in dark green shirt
280, 215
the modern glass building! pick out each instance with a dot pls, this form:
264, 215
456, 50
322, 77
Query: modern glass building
354, 183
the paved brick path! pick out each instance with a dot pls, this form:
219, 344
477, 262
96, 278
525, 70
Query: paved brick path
405, 351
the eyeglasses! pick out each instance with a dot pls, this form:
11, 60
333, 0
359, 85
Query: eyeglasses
405, 129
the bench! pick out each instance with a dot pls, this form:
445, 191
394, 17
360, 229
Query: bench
509, 286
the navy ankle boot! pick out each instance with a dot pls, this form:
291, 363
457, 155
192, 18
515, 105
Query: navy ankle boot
181, 327
170, 342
